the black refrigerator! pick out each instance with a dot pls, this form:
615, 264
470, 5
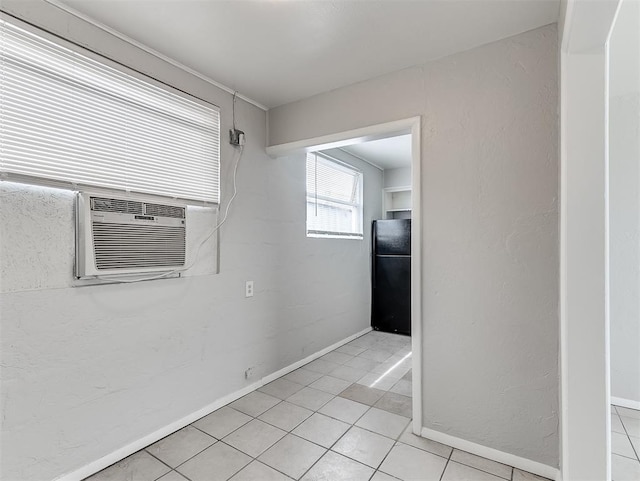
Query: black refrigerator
391, 276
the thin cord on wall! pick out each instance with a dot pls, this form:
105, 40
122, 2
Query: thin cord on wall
233, 109
197, 251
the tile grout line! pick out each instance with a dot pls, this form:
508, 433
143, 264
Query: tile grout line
480, 469
255, 458
330, 449
158, 459
351, 425
217, 441
626, 432
395, 443
447, 464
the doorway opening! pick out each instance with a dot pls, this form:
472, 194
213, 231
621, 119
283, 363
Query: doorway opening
624, 241
393, 150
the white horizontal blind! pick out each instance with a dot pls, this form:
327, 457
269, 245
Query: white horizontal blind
69, 119
334, 198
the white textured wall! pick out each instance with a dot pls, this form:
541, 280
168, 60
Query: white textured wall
400, 177
87, 370
490, 241
624, 202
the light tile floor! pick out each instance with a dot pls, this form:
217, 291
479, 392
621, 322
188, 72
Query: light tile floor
625, 444
345, 416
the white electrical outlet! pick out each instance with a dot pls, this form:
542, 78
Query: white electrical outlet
248, 289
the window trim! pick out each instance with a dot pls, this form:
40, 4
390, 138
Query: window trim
358, 206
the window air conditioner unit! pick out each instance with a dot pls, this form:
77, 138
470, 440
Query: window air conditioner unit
123, 236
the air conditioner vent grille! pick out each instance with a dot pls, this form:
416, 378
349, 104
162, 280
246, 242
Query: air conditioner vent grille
165, 210
102, 204
127, 246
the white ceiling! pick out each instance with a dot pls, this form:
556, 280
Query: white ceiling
389, 153
277, 51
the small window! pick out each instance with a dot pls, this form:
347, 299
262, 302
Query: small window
71, 119
334, 198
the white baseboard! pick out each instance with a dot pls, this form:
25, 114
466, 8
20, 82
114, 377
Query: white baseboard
493, 454
141, 443
625, 403
308, 359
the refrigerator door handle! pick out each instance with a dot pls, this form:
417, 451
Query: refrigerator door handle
374, 242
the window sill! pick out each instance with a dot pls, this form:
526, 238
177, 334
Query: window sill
336, 236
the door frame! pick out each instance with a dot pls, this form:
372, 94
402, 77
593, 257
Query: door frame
411, 125
585, 395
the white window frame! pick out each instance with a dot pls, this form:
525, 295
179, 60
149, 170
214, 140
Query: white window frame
210, 200
356, 206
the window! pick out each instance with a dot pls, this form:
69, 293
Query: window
334, 198
73, 121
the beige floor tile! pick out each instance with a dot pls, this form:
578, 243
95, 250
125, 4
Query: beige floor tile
310, 398
334, 467
364, 446
176, 448
636, 444
396, 403
351, 350
173, 476
362, 394
632, 426
337, 357
347, 373
254, 403
616, 424
407, 462
628, 413
483, 464
624, 469
324, 367
519, 475
330, 384
140, 466
256, 471
303, 376
222, 422
380, 476
292, 455
344, 409
363, 341
216, 463
321, 430
377, 381
402, 387
285, 415
281, 388
254, 437
621, 444
425, 444
460, 472
392, 370
376, 355
383, 422
362, 363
